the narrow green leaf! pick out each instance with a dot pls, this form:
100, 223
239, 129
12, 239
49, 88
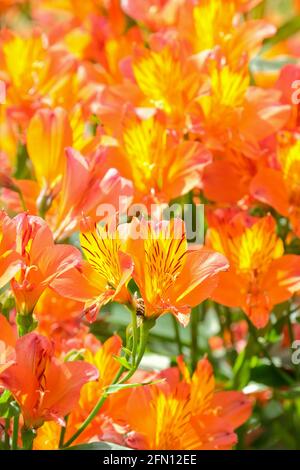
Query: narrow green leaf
287, 30
8, 407
116, 387
123, 361
126, 351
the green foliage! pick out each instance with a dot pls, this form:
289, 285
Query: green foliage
8, 407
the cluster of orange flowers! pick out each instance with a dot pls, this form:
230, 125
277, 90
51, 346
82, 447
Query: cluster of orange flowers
144, 102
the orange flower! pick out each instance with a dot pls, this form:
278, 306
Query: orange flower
280, 187
260, 275
8, 144
6, 4
29, 79
10, 260
86, 187
103, 277
289, 77
171, 277
102, 357
42, 260
154, 13
49, 133
8, 339
61, 320
187, 414
68, 183
228, 179
168, 79
231, 116
44, 388
216, 25
47, 436
160, 163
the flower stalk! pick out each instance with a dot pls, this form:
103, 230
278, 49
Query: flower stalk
138, 350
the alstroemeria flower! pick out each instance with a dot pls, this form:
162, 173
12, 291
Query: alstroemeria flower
234, 119
10, 260
49, 133
168, 79
29, 80
60, 319
102, 357
260, 275
214, 24
42, 260
86, 187
171, 277
45, 388
8, 339
153, 13
185, 414
105, 273
160, 163
69, 183
6, 4
280, 186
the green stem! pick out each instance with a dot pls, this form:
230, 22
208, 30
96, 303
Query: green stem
63, 432
259, 11
14, 444
22, 200
134, 335
25, 323
28, 435
177, 335
294, 310
290, 329
91, 416
194, 335
142, 346
44, 202
228, 325
7, 427
231, 352
264, 350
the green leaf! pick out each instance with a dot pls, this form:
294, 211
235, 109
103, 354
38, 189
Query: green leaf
242, 370
123, 361
74, 355
127, 351
287, 30
98, 446
8, 407
290, 394
116, 387
265, 374
22, 170
272, 410
28, 436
